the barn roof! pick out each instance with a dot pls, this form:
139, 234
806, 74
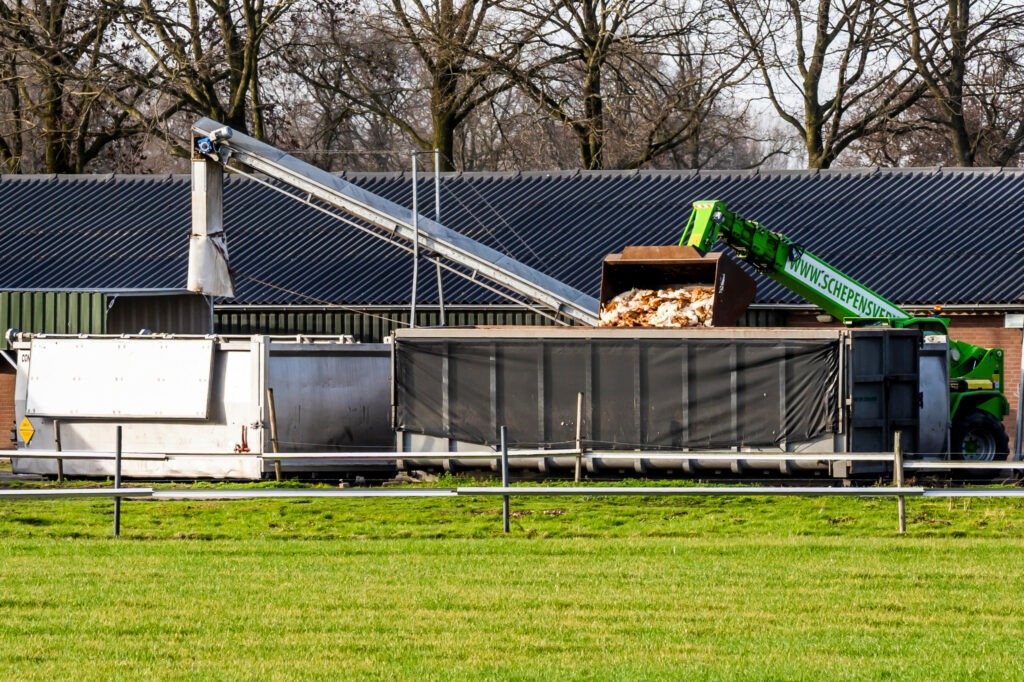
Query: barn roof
916, 236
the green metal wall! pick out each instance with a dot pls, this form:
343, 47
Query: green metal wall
369, 326
52, 313
180, 314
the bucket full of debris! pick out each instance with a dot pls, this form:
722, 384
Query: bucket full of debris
672, 286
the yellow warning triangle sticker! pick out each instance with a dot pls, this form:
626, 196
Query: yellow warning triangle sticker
26, 430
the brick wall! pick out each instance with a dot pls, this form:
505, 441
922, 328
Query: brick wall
988, 330
6, 405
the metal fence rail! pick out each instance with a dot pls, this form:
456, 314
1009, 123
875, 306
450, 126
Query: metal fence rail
251, 493
589, 454
727, 456
973, 492
961, 465
657, 491
56, 493
84, 454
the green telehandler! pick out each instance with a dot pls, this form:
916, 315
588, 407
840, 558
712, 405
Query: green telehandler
977, 402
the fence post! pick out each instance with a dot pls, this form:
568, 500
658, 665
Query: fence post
56, 443
897, 472
579, 436
504, 477
117, 485
273, 432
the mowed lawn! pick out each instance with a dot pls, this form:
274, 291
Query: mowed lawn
583, 588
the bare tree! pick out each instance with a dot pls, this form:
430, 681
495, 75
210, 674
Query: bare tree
562, 55
399, 64
821, 62
969, 56
55, 119
508, 134
683, 107
199, 56
354, 93
502, 85
632, 80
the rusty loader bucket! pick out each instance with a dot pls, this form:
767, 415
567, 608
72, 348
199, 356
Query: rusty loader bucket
679, 267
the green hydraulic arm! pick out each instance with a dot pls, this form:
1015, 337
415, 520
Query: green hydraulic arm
976, 373
790, 265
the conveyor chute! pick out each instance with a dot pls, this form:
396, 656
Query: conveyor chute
387, 220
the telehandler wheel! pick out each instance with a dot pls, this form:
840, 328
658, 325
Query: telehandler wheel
979, 437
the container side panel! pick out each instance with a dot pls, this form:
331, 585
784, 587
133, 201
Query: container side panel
885, 387
565, 377
614, 402
664, 409
655, 393
811, 391
518, 394
470, 387
419, 389
760, 412
711, 395
331, 401
121, 378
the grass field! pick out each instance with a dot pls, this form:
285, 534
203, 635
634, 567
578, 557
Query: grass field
622, 589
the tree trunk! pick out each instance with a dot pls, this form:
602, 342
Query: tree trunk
592, 143
57, 152
959, 22
444, 117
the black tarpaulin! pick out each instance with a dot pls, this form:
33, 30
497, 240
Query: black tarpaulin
652, 393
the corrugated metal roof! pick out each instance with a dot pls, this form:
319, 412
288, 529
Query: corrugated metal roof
918, 236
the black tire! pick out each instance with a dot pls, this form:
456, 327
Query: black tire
979, 437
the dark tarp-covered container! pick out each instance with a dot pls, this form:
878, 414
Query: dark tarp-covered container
642, 388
